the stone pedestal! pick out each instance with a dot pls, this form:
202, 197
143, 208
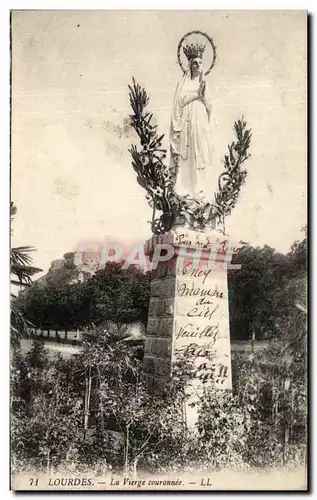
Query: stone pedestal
188, 310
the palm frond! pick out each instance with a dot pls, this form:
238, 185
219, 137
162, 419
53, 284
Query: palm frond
24, 271
20, 255
20, 267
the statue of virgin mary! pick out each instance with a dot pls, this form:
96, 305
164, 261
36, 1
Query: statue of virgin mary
192, 128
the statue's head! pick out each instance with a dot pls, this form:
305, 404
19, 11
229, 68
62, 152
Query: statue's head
194, 54
196, 66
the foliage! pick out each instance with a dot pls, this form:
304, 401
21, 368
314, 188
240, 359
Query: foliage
298, 254
94, 411
45, 412
233, 178
117, 294
20, 261
111, 293
257, 292
223, 425
21, 273
54, 307
272, 387
268, 295
149, 424
154, 176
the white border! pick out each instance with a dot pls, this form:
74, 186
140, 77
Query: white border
5, 7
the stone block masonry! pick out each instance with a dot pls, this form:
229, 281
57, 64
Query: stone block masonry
189, 314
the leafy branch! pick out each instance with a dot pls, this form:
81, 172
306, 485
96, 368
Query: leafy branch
233, 178
152, 174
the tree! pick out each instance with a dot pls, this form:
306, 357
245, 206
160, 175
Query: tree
269, 293
298, 254
57, 307
272, 388
46, 411
20, 261
21, 275
120, 295
256, 292
108, 417
110, 294
150, 425
293, 319
66, 413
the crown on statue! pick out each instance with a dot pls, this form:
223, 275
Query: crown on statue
194, 50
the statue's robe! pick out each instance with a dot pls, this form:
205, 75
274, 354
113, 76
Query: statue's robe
191, 138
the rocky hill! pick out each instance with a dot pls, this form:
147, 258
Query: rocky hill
61, 272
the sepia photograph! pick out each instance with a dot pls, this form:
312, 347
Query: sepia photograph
158, 250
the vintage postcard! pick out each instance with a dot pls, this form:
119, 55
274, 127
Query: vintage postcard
158, 250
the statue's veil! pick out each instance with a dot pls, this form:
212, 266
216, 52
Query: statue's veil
178, 141
177, 108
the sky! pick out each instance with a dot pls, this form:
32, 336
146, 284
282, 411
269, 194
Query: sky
71, 174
